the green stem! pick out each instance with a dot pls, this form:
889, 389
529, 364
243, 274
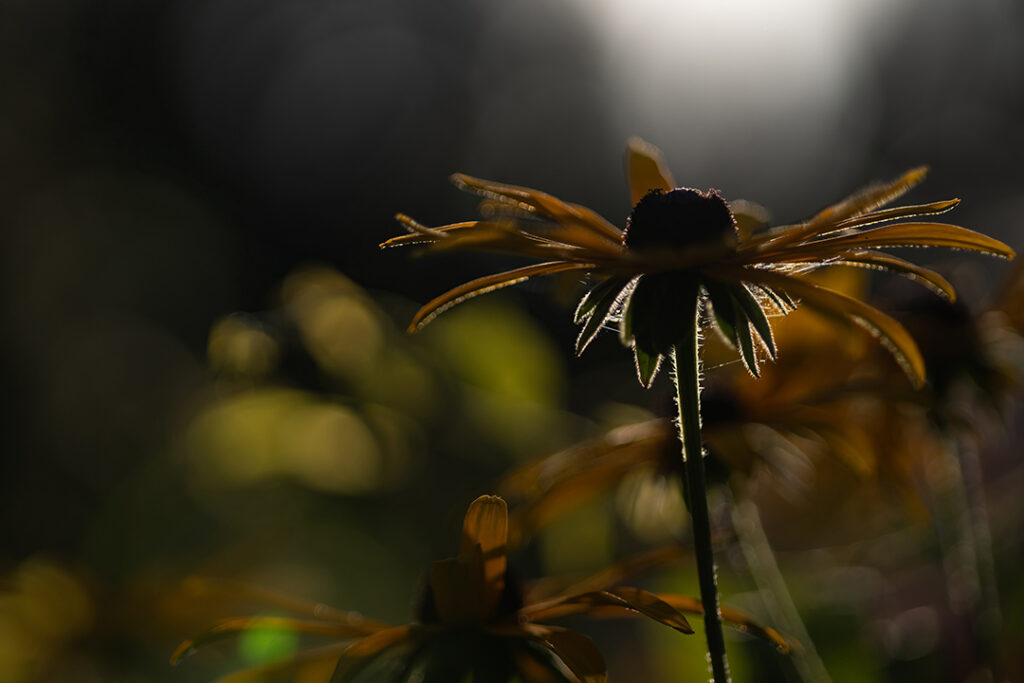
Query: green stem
686, 356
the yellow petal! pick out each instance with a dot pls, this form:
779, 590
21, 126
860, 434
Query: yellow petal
851, 207
646, 169
899, 235
542, 203
898, 212
486, 284
575, 650
926, 276
624, 598
486, 526
201, 587
734, 618
228, 627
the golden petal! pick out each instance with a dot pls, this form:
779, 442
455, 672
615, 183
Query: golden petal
855, 205
928, 277
543, 203
899, 235
486, 284
734, 618
486, 526
232, 626
575, 650
646, 169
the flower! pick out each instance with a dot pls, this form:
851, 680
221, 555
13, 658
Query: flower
682, 246
475, 620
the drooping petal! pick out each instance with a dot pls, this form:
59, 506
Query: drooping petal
575, 650
646, 169
928, 277
235, 625
359, 655
893, 335
734, 618
626, 598
486, 284
317, 663
202, 587
543, 203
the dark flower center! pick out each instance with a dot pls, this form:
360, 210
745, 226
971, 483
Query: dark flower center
680, 218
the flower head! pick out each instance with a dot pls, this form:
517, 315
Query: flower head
475, 618
684, 247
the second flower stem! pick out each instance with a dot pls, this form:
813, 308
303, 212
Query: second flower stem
686, 356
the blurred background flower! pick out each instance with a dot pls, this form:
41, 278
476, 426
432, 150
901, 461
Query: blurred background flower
188, 395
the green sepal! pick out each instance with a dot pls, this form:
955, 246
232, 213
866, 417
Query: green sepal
746, 343
600, 304
610, 287
781, 300
724, 310
647, 366
755, 314
651, 318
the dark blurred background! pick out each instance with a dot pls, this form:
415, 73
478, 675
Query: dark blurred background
165, 164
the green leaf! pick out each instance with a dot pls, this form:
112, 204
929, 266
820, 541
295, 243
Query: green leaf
724, 310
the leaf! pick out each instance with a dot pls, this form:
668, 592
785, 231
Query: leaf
646, 169
486, 284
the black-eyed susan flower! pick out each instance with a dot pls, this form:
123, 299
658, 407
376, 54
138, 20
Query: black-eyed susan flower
475, 621
686, 257
682, 245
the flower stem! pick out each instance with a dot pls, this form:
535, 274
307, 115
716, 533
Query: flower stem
686, 356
